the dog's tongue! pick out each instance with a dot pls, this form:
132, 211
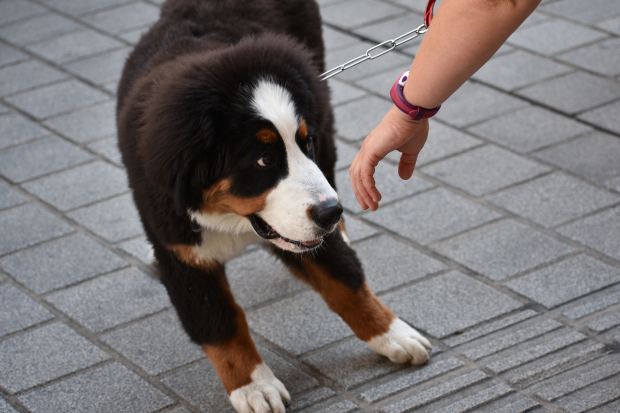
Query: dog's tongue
311, 243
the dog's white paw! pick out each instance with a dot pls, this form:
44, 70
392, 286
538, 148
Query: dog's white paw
266, 394
402, 343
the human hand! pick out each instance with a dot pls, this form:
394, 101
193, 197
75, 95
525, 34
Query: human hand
397, 131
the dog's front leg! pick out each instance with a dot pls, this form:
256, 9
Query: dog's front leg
335, 272
214, 320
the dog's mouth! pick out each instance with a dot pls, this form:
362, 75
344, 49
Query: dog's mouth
264, 230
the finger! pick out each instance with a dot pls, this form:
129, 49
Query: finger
369, 182
370, 203
406, 165
358, 195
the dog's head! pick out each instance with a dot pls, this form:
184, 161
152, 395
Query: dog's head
233, 134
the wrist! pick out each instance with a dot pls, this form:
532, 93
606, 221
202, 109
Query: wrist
413, 111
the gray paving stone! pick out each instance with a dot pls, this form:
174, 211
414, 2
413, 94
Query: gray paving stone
108, 389
351, 363
60, 263
573, 93
531, 350
502, 249
487, 328
393, 28
518, 69
387, 181
447, 303
565, 281
17, 129
5, 407
472, 399
591, 12
597, 232
124, 18
613, 183
437, 365
417, 6
18, 311
592, 303
133, 36
80, 186
345, 154
27, 75
608, 408
139, 248
11, 10
604, 321
108, 148
101, 69
295, 380
310, 398
111, 299
87, 124
550, 37
513, 403
299, 324
344, 406
612, 25
335, 39
602, 57
438, 214
473, 103
353, 127
258, 276
595, 157
343, 92
607, 116
553, 199
529, 129
27, 225
10, 55
115, 219
57, 98
553, 363
9, 197
357, 230
434, 393
38, 158
44, 354
73, 46
484, 170
388, 263
76, 8
592, 396
156, 344
444, 141
349, 14
576, 378
37, 28
377, 67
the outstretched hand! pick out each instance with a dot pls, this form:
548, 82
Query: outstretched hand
395, 132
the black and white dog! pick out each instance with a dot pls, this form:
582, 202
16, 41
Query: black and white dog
226, 132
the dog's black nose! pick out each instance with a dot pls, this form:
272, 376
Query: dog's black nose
327, 213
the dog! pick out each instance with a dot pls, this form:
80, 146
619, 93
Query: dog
226, 132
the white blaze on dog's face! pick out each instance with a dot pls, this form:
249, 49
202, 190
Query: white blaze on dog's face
291, 206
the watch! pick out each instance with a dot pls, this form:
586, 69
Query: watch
414, 112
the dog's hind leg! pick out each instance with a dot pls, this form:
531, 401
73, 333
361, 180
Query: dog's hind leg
212, 318
335, 272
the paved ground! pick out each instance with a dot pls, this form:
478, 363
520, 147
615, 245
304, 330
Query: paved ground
504, 248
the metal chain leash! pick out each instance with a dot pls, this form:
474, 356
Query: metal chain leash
393, 43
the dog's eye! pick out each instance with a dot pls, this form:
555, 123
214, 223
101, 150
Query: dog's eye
266, 160
309, 144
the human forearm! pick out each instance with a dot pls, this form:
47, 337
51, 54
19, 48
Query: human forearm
463, 36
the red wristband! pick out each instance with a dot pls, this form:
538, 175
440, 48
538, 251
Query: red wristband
414, 112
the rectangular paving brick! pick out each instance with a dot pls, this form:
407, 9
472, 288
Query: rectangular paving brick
112, 299
9, 197
85, 125
513, 403
57, 98
343, 92
27, 75
27, 225
10, 55
115, 219
310, 398
577, 10
607, 116
111, 388
483, 170
489, 327
388, 183
156, 344
502, 249
59, 263
604, 321
351, 126
80, 186
140, 248
573, 93
595, 395
73, 46
38, 28
553, 199
592, 303
44, 354
11, 10
101, 69
124, 17
108, 148
76, 8
388, 263
5, 407
349, 14
602, 58
439, 214
438, 305
443, 141
299, 324
565, 281
345, 154
358, 230
597, 231
529, 129
18, 311
17, 129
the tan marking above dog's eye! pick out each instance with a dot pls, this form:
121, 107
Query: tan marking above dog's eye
267, 136
303, 130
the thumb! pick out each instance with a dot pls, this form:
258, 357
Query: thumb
407, 165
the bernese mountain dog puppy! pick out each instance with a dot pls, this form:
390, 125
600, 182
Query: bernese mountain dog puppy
226, 133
